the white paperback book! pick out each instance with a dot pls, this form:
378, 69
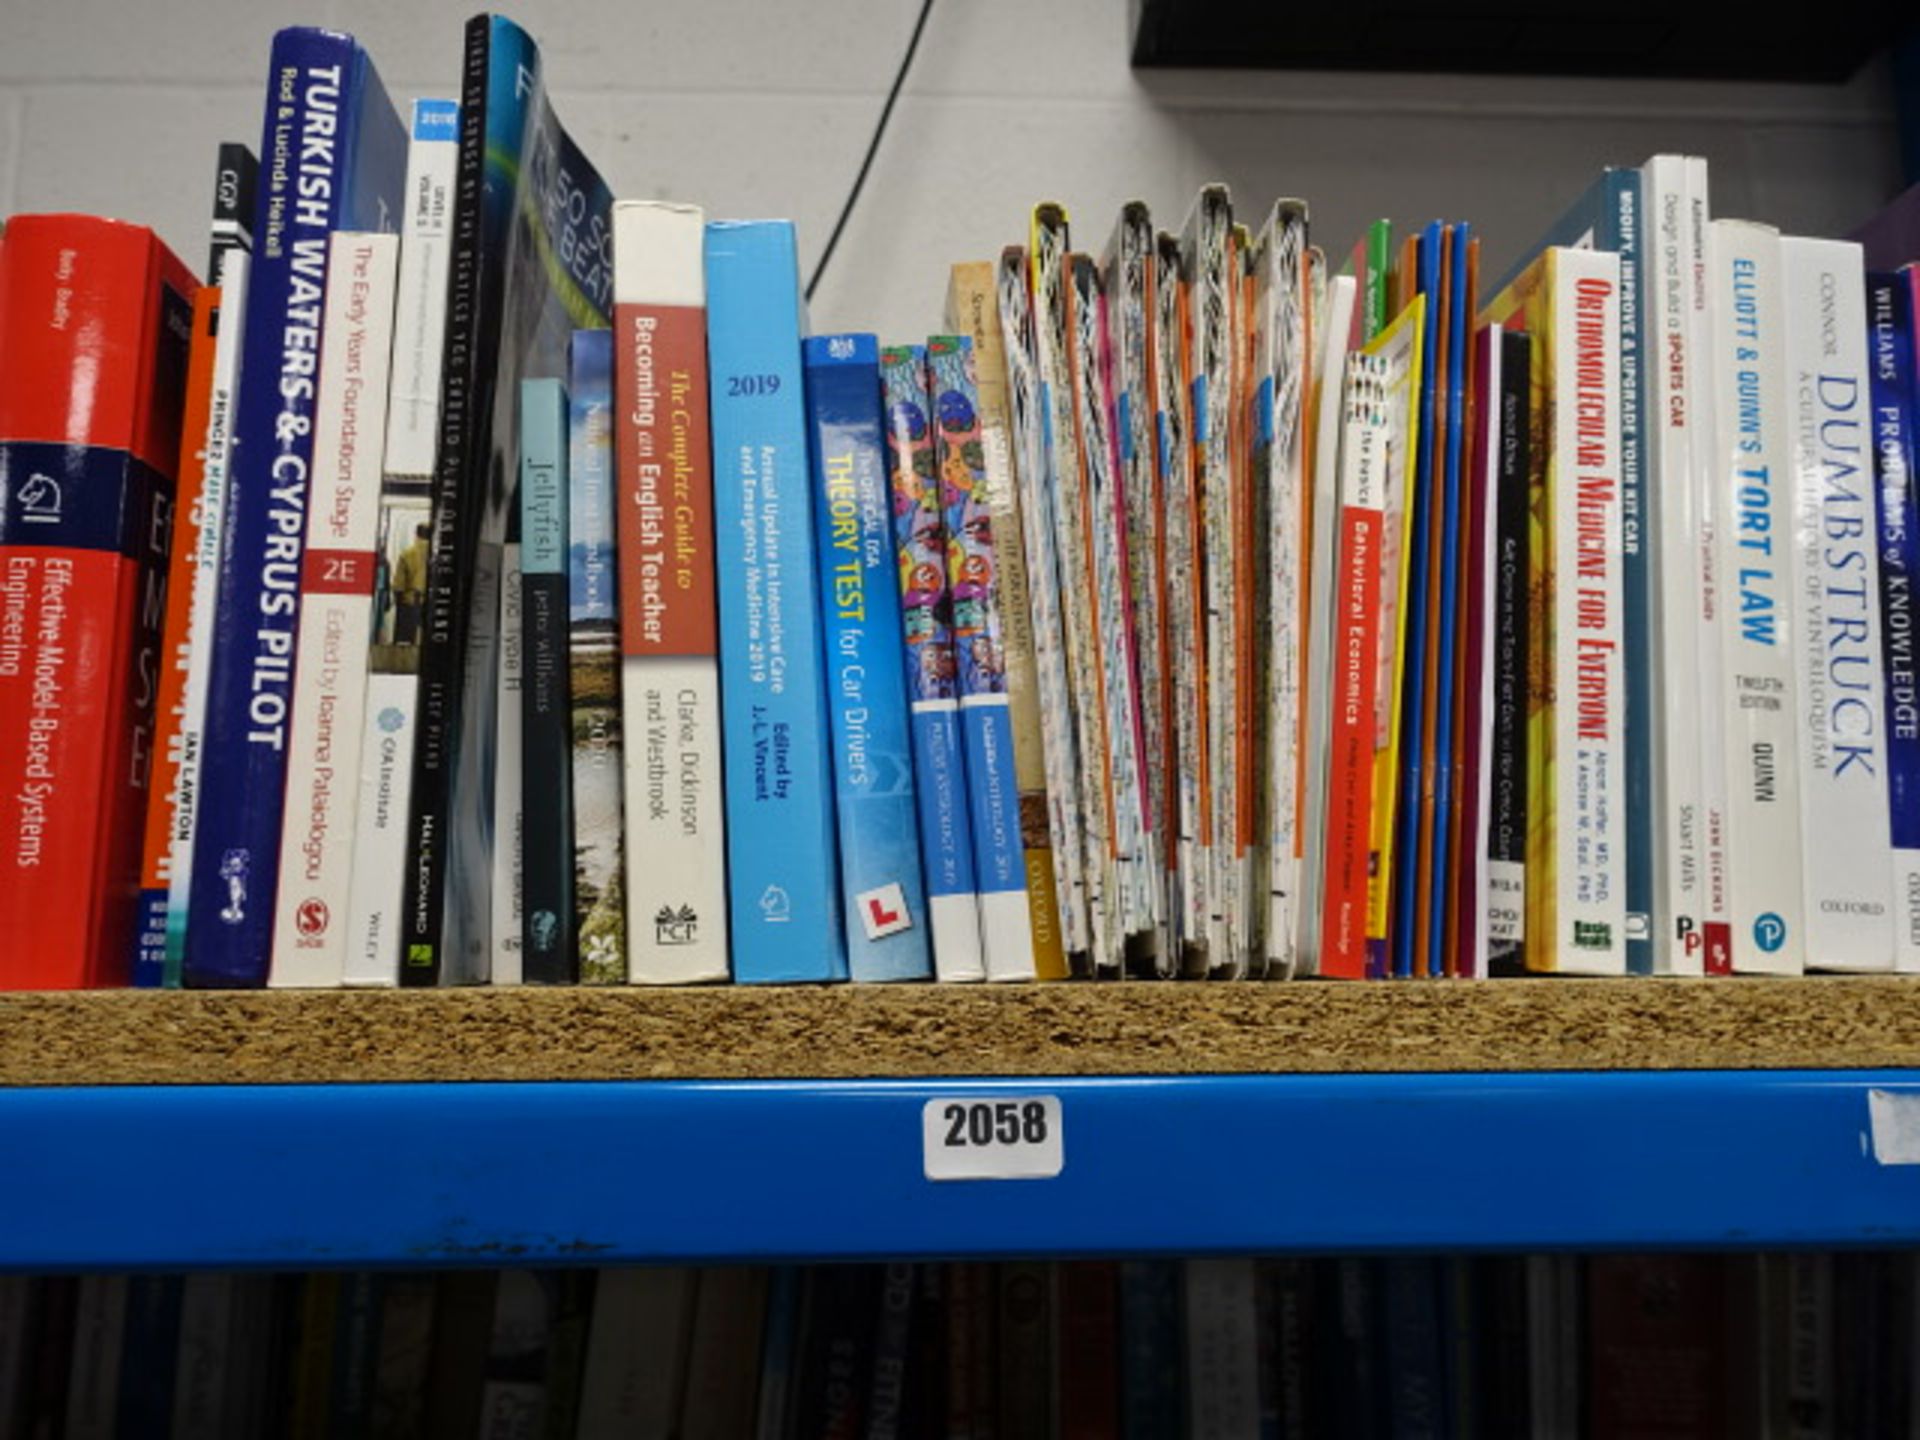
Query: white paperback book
1709, 506
413, 426
1848, 851
1754, 498
669, 667
311, 911
1672, 429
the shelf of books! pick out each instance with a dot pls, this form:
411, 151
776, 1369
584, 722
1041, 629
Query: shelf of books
511, 747
558, 1126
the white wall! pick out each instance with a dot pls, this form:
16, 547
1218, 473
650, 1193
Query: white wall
763, 107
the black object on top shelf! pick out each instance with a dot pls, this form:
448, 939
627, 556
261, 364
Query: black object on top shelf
1828, 42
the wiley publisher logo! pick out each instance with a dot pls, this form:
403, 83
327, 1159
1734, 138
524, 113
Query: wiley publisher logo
676, 927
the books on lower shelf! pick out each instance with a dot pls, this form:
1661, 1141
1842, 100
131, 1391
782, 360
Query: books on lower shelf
1508, 1344
1248, 619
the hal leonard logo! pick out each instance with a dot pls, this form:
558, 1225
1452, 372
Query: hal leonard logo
676, 927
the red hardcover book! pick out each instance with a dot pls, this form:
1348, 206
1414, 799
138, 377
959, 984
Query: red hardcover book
95, 322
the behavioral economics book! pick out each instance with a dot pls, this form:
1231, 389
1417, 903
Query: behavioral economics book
345, 150
310, 927
979, 654
883, 890
783, 889
926, 636
523, 276
400, 565
593, 650
670, 675
96, 318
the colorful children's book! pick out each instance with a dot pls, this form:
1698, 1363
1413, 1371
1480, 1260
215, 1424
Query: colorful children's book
1208, 274
784, 892
939, 753
1135, 863
670, 675
1280, 335
1190, 805
883, 892
973, 310
1048, 282
593, 650
547, 916
1059, 741
96, 320
527, 271
399, 595
973, 588
1128, 276
310, 925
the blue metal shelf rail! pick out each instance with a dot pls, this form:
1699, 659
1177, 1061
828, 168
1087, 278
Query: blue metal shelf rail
180, 1177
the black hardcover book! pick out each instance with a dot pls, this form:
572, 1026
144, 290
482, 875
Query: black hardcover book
235, 177
531, 261
1507, 824
546, 735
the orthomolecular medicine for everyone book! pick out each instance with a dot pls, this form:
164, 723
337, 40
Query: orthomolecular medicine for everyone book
670, 678
883, 891
310, 925
783, 890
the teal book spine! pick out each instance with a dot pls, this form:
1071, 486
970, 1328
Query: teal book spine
783, 891
546, 857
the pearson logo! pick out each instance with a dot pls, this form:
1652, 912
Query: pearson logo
1769, 932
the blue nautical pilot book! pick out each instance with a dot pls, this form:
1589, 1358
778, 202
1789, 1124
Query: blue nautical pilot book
333, 157
881, 885
783, 892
